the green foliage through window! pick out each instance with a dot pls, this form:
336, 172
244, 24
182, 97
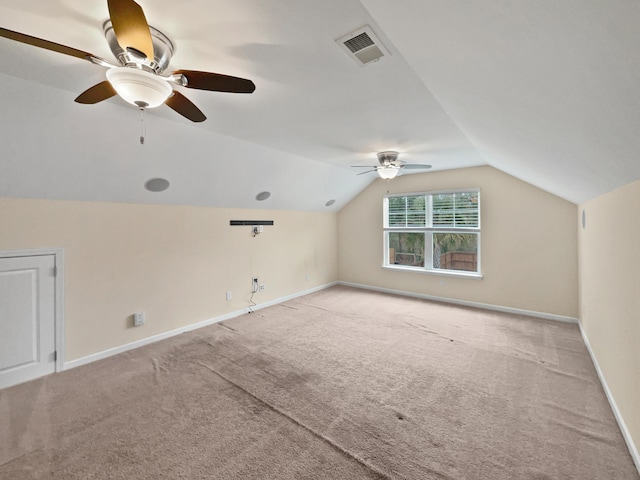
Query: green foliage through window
407, 248
434, 231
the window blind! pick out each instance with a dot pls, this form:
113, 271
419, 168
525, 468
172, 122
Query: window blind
455, 210
438, 210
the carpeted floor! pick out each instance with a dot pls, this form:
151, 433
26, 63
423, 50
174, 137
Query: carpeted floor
340, 384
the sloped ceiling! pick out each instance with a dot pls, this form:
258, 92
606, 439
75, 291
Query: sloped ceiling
545, 91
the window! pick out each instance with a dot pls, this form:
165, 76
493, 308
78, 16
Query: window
434, 231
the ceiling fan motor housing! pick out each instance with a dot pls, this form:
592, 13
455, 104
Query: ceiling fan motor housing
163, 50
387, 158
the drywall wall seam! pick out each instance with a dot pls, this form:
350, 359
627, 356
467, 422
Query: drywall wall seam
465, 303
633, 449
171, 333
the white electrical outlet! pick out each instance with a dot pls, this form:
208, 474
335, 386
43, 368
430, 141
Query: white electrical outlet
138, 319
306, 277
262, 287
442, 282
229, 296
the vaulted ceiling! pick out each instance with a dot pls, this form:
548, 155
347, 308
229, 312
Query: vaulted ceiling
545, 91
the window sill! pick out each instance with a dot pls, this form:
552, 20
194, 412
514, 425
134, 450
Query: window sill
441, 273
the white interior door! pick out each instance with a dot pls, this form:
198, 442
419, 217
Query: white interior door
27, 318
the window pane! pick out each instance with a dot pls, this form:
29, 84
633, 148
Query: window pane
455, 251
406, 249
466, 209
458, 209
407, 211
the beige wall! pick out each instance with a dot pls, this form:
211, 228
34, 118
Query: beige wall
173, 263
610, 294
528, 243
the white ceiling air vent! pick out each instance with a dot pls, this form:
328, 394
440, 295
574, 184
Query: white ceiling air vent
363, 46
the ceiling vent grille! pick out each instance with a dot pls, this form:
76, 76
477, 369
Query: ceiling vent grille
359, 42
363, 46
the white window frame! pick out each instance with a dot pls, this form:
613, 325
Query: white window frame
428, 232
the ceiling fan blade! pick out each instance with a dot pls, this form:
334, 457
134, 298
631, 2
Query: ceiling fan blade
97, 93
185, 107
46, 44
368, 171
414, 166
364, 166
131, 27
215, 82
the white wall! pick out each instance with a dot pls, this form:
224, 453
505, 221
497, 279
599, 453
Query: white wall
528, 243
610, 295
173, 263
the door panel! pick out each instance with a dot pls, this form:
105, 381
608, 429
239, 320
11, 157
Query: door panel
27, 318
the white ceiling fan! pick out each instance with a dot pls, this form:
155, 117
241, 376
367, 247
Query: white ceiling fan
390, 166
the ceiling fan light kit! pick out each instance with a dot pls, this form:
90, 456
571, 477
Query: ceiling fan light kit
138, 87
388, 172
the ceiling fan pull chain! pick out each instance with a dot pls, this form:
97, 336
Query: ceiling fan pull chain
143, 126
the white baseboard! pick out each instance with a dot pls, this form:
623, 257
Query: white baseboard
171, 333
485, 306
161, 336
633, 449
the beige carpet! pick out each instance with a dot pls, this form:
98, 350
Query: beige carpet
340, 384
